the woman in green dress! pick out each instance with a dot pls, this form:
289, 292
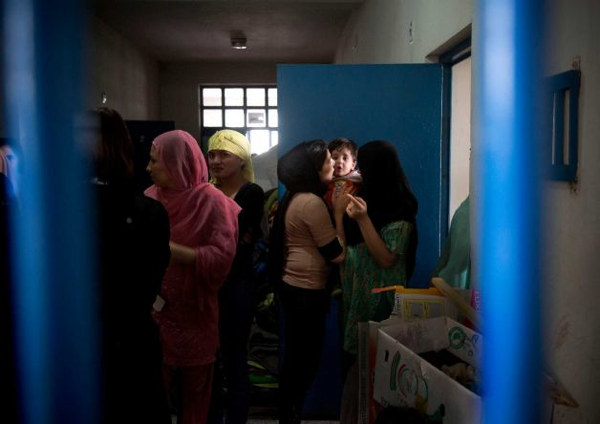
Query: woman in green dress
381, 238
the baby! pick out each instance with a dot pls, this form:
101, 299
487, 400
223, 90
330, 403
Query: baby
345, 178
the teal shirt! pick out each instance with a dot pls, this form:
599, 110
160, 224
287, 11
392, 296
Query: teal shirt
360, 273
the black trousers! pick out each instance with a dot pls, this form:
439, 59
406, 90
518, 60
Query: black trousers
304, 313
231, 388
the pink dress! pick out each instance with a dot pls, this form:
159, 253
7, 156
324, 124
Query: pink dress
205, 219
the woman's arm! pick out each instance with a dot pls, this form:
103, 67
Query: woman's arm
181, 254
328, 239
357, 210
339, 207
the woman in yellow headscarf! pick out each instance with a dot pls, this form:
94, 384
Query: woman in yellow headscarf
230, 164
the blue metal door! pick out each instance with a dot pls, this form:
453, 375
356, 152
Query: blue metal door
399, 103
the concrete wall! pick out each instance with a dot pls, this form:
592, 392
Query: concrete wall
113, 65
379, 33
573, 228
128, 76
380, 30
179, 84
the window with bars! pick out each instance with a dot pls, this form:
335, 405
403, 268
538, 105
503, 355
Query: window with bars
251, 110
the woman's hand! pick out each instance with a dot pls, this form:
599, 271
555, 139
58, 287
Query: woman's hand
248, 238
340, 203
356, 208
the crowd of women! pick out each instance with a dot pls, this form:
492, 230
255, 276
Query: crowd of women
176, 265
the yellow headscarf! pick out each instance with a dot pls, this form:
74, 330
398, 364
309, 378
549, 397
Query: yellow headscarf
236, 143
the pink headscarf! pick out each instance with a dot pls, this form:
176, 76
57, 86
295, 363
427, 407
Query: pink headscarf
201, 216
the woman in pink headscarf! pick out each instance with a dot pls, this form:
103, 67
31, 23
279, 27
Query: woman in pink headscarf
204, 233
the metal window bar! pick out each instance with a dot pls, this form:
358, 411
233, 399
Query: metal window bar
507, 138
204, 130
56, 339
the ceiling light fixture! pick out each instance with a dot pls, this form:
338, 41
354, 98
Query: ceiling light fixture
238, 43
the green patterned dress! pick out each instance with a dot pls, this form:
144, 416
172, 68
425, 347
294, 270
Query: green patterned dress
360, 273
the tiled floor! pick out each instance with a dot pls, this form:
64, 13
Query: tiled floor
254, 421
275, 422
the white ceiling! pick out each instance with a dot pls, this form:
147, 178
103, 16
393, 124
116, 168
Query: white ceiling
278, 31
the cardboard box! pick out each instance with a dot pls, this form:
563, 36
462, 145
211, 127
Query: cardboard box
368, 408
403, 378
418, 304
367, 352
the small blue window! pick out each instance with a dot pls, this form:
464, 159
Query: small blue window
563, 91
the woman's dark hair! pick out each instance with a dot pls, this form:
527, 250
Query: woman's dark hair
114, 149
387, 192
299, 171
385, 183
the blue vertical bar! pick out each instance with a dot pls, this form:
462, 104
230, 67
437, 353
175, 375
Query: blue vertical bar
508, 41
445, 154
54, 298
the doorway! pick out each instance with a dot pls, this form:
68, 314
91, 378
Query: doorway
460, 135
457, 68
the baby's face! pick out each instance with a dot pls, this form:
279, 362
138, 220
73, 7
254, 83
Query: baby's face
343, 162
